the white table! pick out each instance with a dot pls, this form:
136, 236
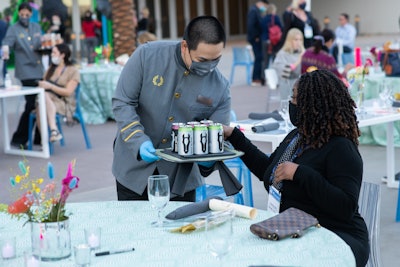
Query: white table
369, 119
127, 224
4, 95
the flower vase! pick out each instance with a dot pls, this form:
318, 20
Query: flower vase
51, 241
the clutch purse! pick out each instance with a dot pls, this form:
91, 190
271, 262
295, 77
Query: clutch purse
291, 222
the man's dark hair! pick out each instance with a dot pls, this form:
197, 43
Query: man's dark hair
205, 29
327, 35
325, 109
346, 16
25, 5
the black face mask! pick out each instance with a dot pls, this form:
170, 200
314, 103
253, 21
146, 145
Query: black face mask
293, 113
303, 6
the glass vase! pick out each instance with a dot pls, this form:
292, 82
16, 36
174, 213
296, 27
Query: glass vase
51, 241
360, 98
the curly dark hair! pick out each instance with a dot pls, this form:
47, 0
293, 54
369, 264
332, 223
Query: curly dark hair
325, 109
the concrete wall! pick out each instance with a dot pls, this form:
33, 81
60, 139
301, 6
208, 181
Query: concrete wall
376, 16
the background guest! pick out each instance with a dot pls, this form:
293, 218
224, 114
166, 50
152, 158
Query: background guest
24, 38
295, 16
60, 82
345, 35
254, 17
89, 27
57, 26
3, 30
288, 62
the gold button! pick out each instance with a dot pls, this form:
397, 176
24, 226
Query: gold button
171, 118
164, 140
38, 62
186, 73
177, 95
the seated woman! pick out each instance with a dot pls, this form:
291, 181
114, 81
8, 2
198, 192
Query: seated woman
60, 82
318, 55
287, 61
317, 168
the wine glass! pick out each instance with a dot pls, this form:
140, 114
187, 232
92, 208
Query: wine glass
284, 112
385, 92
219, 232
158, 192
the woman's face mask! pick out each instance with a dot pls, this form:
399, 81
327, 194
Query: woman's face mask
293, 112
55, 60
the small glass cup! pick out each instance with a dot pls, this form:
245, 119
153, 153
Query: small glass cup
31, 260
82, 255
7, 246
93, 237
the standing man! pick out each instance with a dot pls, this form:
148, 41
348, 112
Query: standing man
346, 35
165, 82
254, 17
24, 38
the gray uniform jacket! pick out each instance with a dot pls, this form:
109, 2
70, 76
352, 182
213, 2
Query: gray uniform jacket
155, 90
25, 42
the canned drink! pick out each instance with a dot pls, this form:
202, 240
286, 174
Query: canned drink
174, 135
185, 140
216, 138
200, 139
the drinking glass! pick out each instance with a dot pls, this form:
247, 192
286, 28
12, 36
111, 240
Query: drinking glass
158, 192
219, 232
385, 94
284, 112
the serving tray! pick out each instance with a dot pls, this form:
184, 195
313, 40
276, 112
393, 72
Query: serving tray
168, 155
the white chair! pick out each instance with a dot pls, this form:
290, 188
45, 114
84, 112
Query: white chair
369, 203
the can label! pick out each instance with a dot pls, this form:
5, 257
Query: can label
185, 140
216, 138
200, 139
174, 135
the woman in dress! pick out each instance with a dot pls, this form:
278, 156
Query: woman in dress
60, 82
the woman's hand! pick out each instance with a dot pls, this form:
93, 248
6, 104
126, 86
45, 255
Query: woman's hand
227, 131
285, 171
45, 85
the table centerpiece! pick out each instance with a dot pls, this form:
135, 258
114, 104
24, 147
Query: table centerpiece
44, 210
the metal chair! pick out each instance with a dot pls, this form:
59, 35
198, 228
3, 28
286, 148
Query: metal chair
59, 118
242, 57
369, 203
245, 196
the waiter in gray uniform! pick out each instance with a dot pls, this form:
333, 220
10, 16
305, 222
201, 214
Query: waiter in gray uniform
24, 38
165, 82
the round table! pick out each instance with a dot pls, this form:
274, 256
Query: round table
127, 224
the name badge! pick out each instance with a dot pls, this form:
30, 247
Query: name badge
308, 31
274, 200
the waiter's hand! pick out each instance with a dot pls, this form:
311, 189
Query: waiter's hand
6, 52
147, 152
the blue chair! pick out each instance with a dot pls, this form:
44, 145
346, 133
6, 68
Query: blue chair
242, 57
245, 196
59, 118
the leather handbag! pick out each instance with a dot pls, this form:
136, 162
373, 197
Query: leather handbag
291, 222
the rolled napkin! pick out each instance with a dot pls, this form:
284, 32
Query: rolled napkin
262, 116
191, 209
240, 210
265, 127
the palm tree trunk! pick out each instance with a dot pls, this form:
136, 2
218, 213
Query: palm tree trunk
124, 36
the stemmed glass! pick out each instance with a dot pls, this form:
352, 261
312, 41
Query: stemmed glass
219, 232
385, 93
284, 112
158, 192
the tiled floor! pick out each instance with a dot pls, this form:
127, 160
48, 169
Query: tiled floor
97, 183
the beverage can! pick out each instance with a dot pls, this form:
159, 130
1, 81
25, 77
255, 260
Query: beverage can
216, 138
174, 135
185, 140
200, 139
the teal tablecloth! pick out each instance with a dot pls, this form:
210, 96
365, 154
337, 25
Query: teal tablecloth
127, 224
98, 84
376, 135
